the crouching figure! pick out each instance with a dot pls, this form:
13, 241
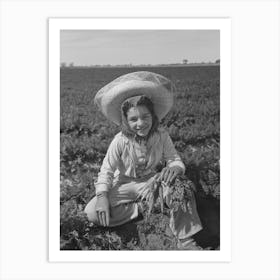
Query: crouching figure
137, 102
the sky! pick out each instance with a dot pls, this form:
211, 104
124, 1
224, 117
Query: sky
101, 47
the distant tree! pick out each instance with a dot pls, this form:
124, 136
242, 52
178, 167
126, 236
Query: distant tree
217, 61
185, 61
62, 64
71, 64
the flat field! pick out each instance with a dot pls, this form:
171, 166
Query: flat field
194, 126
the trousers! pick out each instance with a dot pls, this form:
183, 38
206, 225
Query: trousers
123, 207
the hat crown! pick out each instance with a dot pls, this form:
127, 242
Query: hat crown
138, 76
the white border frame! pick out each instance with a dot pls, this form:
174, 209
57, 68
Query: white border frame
55, 25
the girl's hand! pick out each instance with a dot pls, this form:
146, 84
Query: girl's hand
103, 209
168, 174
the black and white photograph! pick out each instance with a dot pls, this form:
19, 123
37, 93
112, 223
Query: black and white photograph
140, 140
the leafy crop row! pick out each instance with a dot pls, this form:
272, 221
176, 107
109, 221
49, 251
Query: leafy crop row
194, 126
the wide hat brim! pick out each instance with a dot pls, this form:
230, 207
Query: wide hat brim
158, 88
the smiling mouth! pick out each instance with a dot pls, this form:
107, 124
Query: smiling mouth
142, 129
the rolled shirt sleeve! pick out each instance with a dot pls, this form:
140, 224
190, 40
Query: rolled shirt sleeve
170, 154
109, 166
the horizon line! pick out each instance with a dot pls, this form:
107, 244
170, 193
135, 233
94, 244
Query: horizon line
72, 65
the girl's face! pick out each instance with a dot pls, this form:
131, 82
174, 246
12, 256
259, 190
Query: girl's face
139, 120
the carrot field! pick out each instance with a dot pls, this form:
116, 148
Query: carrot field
194, 126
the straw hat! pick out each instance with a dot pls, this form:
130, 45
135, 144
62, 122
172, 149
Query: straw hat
158, 88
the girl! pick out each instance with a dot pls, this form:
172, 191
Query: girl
138, 101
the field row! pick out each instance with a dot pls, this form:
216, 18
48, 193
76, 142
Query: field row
193, 124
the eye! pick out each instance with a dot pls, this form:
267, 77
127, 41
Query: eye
132, 119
